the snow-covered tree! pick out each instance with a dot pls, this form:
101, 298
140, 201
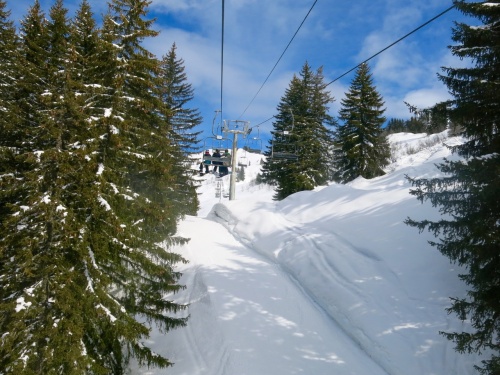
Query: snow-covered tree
467, 194
90, 207
303, 113
136, 174
9, 72
43, 282
87, 57
8, 66
176, 93
362, 149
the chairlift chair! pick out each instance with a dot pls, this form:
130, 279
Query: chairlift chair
243, 160
218, 189
284, 149
254, 144
216, 143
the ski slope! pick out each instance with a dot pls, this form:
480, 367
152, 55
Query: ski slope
329, 281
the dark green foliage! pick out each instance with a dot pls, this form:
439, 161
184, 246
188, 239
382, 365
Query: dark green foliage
467, 194
415, 125
362, 149
175, 93
411, 125
240, 174
9, 72
8, 66
303, 111
430, 120
395, 125
88, 197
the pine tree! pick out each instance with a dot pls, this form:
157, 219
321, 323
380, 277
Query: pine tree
41, 238
9, 45
8, 65
87, 52
362, 149
240, 174
175, 94
303, 112
395, 125
83, 247
431, 120
33, 59
136, 189
467, 194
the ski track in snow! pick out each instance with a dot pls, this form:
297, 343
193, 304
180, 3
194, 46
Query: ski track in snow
298, 287
305, 237
273, 284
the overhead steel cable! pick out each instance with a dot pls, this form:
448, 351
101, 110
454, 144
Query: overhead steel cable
282, 54
222, 61
379, 52
392, 44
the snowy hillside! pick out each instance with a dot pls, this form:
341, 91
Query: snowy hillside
329, 281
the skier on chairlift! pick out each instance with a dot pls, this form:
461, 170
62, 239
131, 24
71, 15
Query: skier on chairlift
216, 154
224, 169
205, 163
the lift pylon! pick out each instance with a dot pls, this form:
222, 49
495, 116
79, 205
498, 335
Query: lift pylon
235, 127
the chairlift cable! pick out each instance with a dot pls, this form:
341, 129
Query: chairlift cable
222, 60
263, 122
379, 52
279, 59
392, 44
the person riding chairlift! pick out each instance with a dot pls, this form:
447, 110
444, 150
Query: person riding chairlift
205, 163
224, 170
216, 154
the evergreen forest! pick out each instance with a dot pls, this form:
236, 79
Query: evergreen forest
96, 132
97, 135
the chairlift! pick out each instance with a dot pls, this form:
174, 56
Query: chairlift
218, 189
283, 149
235, 126
254, 144
220, 143
281, 146
243, 160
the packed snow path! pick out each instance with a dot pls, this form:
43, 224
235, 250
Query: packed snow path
329, 281
260, 320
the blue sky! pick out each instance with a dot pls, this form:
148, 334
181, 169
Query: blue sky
337, 35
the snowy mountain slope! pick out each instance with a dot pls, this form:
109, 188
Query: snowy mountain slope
325, 281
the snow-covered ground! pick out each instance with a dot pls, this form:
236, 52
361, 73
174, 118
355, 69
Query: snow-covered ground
329, 281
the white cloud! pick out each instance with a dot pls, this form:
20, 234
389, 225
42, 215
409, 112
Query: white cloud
424, 98
336, 35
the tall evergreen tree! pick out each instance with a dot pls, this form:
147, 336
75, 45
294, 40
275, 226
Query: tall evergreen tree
303, 112
176, 94
137, 177
9, 45
86, 54
432, 120
467, 194
33, 63
395, 125
362, 149
8, 64
41, 239
81, 253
